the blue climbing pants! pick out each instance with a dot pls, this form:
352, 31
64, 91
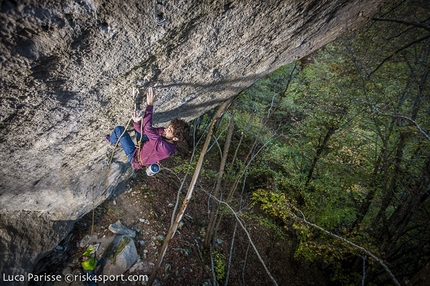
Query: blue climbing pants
125, 140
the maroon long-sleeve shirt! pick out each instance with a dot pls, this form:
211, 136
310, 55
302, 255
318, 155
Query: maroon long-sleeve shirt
157, 148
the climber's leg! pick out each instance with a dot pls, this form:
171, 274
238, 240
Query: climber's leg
125, 140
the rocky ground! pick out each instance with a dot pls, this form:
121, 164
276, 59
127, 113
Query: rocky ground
147, 207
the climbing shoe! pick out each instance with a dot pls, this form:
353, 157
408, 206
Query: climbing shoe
107, 139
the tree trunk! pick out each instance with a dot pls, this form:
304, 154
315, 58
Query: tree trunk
320, 149
373, 187
391, 190
401, 217
215, 205
187, 198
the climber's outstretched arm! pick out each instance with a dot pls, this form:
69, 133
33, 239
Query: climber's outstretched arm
150, 97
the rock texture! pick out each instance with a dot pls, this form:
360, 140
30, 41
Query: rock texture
67, 69
120, 255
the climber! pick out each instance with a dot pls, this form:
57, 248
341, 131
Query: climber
157, 143
89, 263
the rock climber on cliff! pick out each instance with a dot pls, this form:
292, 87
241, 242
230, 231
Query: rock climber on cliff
156, 143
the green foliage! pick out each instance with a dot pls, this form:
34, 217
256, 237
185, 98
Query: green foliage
312, 245
340, 137
220, 265
275, 204
182, 166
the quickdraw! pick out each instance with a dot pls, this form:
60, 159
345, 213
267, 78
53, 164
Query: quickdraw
159, 12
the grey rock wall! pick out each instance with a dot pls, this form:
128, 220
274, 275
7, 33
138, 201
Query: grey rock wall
67, 69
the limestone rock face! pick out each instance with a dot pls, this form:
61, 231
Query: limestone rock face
67, 69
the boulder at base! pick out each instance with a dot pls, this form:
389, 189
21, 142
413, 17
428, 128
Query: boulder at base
119, 228
120, 255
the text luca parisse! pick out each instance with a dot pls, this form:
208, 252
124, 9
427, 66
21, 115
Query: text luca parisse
32, 277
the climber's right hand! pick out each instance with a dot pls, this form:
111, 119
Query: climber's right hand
136, 116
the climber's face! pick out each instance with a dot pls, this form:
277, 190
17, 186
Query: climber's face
169, 133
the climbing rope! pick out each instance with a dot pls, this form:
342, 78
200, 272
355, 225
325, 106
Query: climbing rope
92, 219
135, 93
139, 142
117, 142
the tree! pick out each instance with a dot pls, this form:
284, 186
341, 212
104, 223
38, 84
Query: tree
353, 145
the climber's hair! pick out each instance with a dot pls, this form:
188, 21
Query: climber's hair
181, 129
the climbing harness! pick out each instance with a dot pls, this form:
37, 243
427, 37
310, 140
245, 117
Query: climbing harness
152, 169
159, 12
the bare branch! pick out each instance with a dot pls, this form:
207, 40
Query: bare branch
303, 219
243, 172
407, 118
212, 266
223, 162
397, 51
247, 234
413, 122
363, 279
244, 264
231, 255
271, 104
423, 25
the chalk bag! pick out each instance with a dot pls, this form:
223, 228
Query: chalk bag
153, 169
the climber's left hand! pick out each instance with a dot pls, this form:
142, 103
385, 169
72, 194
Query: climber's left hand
150, 97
